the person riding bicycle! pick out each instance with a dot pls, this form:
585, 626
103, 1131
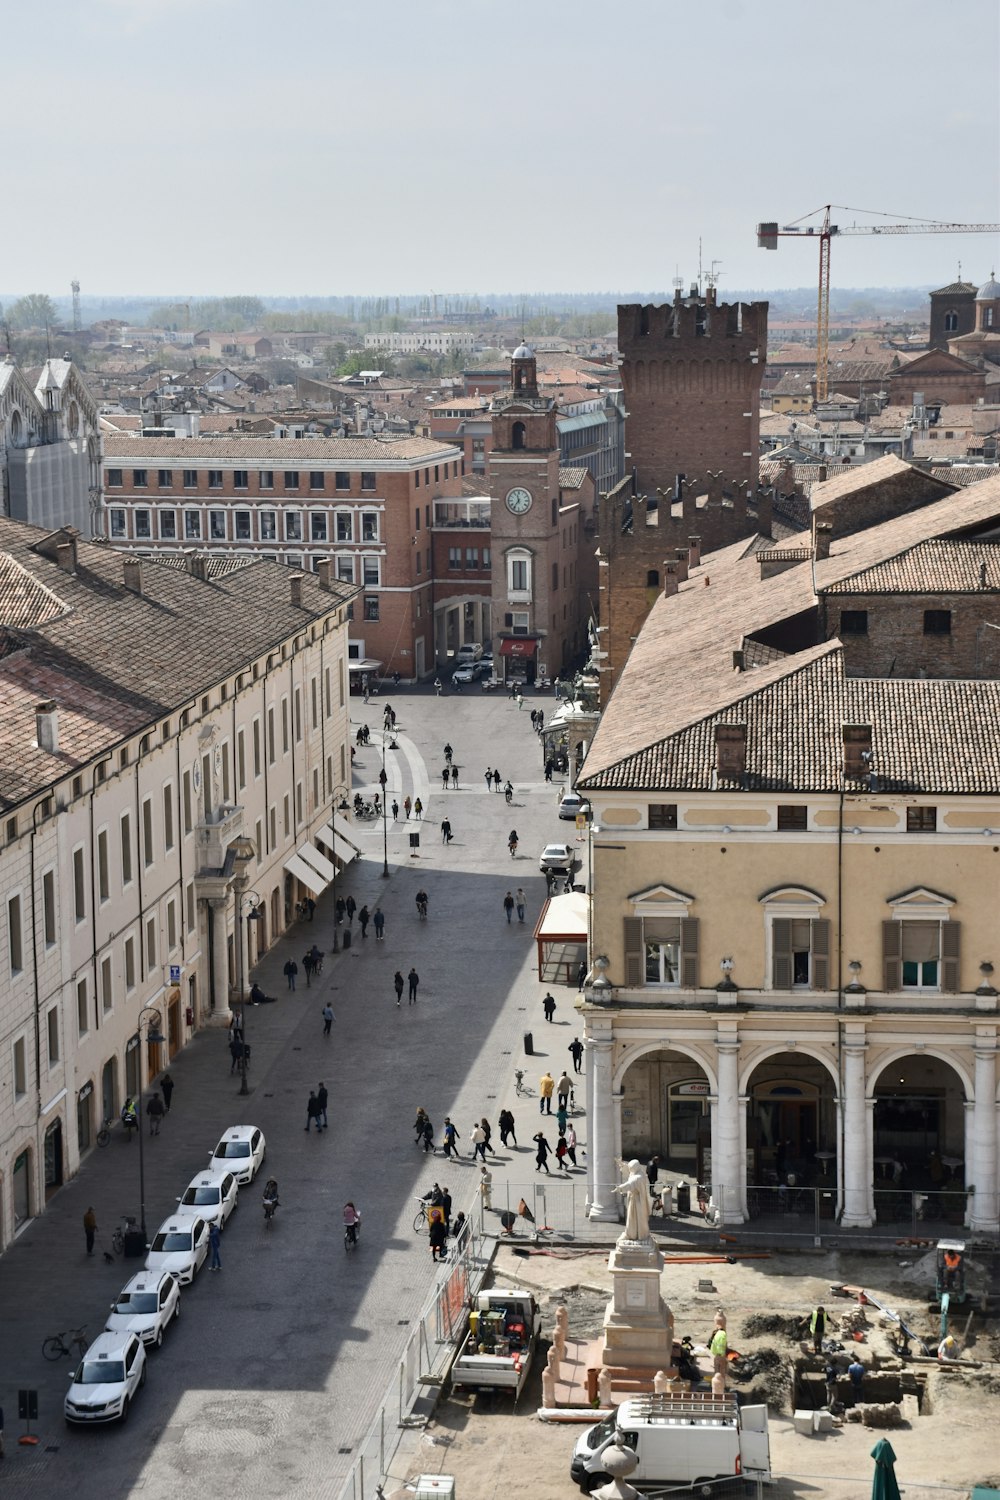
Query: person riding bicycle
130, 1114
508, 792
352, 1222
421, 899
271, 1196
512, 842
437, 686
448, 753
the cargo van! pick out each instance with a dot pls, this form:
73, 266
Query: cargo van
678, 1439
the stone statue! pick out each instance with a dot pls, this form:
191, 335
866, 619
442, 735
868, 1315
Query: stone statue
661, 1382
562, 1319
635, 1189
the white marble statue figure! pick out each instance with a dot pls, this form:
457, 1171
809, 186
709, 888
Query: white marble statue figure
636, 1191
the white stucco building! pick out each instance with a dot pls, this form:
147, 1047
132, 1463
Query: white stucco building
50, 453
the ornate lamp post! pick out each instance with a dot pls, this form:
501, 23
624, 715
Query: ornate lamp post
344, 807
248, 903
382, 781
154, 1035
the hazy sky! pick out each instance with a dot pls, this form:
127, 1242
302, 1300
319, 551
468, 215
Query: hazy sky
318, 146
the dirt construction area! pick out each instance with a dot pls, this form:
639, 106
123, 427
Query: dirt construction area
941, 1422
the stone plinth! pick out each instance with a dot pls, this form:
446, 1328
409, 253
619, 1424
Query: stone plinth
638, 1324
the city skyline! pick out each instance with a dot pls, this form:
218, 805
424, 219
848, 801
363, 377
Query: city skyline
519, 148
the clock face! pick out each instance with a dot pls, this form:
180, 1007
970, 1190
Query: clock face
519, 501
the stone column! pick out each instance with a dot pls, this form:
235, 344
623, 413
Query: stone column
728, 1171
602, 1168
857, 1151
981, 1140
220, 958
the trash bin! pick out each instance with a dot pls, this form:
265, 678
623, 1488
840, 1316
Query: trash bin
683, 1197
346, 938
135, 1243
529, 1044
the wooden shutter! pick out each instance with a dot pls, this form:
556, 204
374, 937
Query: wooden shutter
781, 943
951, 937
634, 966
689, 953
820, 954
892, 955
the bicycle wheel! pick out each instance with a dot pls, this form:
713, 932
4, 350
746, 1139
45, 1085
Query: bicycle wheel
103, 1136
420, 1223
118, 1242
54, 1348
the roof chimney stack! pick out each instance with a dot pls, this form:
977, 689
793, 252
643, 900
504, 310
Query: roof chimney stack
47, 727
66, 556
682, 563
132, 569
670, 579
296, 585
324, 572
730, 751
694, 551
823, 538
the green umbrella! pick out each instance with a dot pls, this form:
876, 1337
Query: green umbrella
884, 1486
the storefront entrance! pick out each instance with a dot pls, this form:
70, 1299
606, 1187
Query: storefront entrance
85, 1118
53, 1159
21, 1185
791, 1123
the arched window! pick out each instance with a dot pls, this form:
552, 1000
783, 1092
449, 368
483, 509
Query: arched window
950, 322
15, 427
989, 317
643, 321
653, 579
517, 435
73, 419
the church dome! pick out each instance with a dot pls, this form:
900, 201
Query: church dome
989, 291
523, 352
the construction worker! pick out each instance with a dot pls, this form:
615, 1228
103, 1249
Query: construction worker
952, 1262
947, 1349
817, 1328
719, 1347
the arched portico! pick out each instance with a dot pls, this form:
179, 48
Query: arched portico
933, 1137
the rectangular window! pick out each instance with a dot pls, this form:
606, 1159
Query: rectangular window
103, 876
800, 953
241, 759
345, 568
314, 701
190, 902
259, 840
267, 520
15, 944
217, 525
139, 478
284, 726
165, 478
662, 947
318, 527
368, 481
342, 480
192, 525
854, 622
369, 526
227, 790
186, 802
472, 558
317, 480
52, 1027
143, 524
297, 714
126, 846
129, 963
792, 819
20, 1069
82, 1010
370, 572
298, 801
190, 479
345, 526
215, 479
241, 479
518, 570
921, 951
273, 823
49, 908
147, 833
921, 819
242, 518
486, 558
663, 815
79, 885
270, 737
171, 925
256, 747
107, 985
286, 814
293, 526
168, 816
371, 606
265, 479
151, 943
168, 525
937, 622
114, 479
117, 519
291, 479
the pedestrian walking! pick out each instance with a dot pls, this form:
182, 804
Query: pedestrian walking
479, 1144
351, 907
562, 1116
340, 907
418, 1124
564, 1088
290, 970
398, 981
312, 1110
486, 1187
817, 1328
561, 1149
322, 1099
308, 964
167, 1086
448, 752
446, 1205
155, 1113
414, 979
550, 883
507, 1131
445, 777
571, 1144
550, 766
378, 922
310, 908
488, 1133
576, 1052
542, 1153
407, 806
427, 1135
581, 975
445, 830
489, 779
316, 954
519, 700
549, 1006
521, 901
508, 905
653, 1172
236, 1053
215, 1241
496, 780
545, 1086
364, 917
449, 1138
418, 810
327, 1014
90, 1229
454, 778
438, 1232
395, 809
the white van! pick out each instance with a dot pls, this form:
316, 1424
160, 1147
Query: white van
678, 1439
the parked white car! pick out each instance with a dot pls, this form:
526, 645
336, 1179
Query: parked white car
106, 1379
145, 1306
556, 857
241, 1151
213, 1194
179, 1246
571, 804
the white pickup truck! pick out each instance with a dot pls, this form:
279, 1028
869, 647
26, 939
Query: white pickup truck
685, 1440
503, 1333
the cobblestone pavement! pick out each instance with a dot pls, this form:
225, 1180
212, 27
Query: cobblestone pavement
273, 1372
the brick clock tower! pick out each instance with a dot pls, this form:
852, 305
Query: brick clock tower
531, 628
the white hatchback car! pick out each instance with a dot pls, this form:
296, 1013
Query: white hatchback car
213, 1194
106, 1379
145, 1306
180, 1246
241, 1151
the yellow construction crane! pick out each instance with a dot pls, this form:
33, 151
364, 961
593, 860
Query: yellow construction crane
768, 236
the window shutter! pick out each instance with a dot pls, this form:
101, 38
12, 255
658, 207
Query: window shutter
951, 936
634, 967
689, 953
781, 940
892, 955
821, 954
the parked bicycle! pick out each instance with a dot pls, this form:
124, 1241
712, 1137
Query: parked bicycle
104, 1134
520, 1087
119, 1232
420, 1220
58, 1344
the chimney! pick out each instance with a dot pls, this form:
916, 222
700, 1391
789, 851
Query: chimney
66, 556
857, 751
197, 566
132, 568
821, 476
324, 572
296, 584
694, 551
822, 540
739, 661
47, 727
730, 751
670, 579
682, 555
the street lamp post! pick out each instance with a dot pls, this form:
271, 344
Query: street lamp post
154, 1035
249, 902
340, 791
382, 781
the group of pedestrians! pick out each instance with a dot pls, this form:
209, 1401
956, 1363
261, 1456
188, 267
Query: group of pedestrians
316, 1107
518, 902
412, 980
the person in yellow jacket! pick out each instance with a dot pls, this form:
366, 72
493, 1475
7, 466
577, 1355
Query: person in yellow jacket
817, 1328
545, 1086
719, 1350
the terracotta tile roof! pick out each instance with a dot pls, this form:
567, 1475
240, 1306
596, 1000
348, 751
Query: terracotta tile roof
954, 288
114, 660
942, 447
962, 474
280, 450
862, 369
939, 566
857, 477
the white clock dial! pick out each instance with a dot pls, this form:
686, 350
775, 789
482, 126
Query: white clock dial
518, 501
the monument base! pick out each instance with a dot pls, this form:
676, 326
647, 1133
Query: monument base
638, 1324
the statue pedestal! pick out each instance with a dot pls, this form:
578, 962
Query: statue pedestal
638, 1324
